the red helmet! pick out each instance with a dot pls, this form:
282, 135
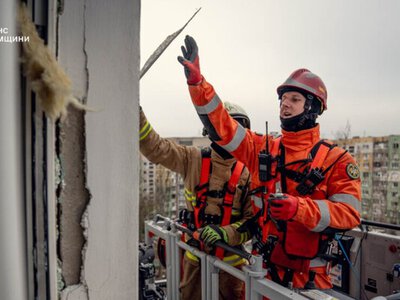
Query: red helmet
307, 81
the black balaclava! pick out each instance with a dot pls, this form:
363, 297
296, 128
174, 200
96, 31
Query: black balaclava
305, 120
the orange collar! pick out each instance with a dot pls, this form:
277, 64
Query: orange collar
300, 140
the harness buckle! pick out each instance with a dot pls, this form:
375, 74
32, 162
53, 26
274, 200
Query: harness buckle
310, 181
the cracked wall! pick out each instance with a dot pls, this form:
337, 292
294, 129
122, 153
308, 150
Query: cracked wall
98, 45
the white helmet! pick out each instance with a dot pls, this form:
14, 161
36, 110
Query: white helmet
238, 113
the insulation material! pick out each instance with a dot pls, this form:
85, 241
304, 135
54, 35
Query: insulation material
48, 79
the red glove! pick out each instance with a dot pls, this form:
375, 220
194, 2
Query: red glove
283, 209
190, 61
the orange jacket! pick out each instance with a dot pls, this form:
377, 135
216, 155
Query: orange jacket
336, 201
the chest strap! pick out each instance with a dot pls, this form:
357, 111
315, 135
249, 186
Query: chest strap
312, 175
202, 188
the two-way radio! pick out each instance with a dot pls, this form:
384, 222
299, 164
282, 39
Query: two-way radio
265, 161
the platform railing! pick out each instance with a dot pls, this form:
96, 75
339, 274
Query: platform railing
253, 274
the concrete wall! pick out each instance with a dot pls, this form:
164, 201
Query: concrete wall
13, 272
99, 48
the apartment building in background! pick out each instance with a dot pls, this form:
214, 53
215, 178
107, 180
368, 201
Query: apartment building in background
379, 162
148, 179
162, 184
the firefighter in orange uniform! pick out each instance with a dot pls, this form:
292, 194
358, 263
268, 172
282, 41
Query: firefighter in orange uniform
305, 190
216, 188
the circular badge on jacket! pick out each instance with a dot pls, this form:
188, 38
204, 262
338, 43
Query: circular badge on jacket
353, 171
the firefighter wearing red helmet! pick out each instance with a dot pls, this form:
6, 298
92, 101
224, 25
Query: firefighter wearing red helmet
305, 189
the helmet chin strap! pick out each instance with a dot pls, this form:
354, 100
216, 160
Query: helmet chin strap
305, 120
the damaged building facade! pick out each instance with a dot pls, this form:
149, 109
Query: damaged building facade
70, 187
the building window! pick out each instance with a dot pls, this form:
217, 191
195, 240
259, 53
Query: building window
365, 175
395, 184
396, 146
395, 165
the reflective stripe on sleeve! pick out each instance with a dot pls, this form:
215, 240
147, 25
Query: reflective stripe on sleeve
209, 107
244, 236
237, 224
239, 136
144, 132
325, 219
190, 197
348, 199
191, 256
236, 212
234, 260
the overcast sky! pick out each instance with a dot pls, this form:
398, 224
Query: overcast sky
248, 48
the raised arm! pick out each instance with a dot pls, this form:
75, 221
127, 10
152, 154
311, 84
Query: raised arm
222, 128
168, 153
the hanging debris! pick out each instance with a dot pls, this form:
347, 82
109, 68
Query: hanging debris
164, 45
48, 79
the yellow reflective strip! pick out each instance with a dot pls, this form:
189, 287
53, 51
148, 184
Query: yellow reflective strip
144, 128
190, 199
191, 256
234, 260
145, 133
231, 257
235, 212
244, 237
237, 224
241, 261
190, 196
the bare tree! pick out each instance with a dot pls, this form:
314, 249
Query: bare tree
343, 133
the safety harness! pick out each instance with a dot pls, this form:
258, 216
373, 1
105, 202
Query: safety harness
299, 245
200, 218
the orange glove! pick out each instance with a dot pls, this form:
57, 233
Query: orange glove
283, 209
190, 61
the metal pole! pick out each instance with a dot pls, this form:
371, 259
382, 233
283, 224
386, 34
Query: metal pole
252, 273
214, 283
170, 281
13, 268
175, 237
203, 262
381, 225
235, 272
